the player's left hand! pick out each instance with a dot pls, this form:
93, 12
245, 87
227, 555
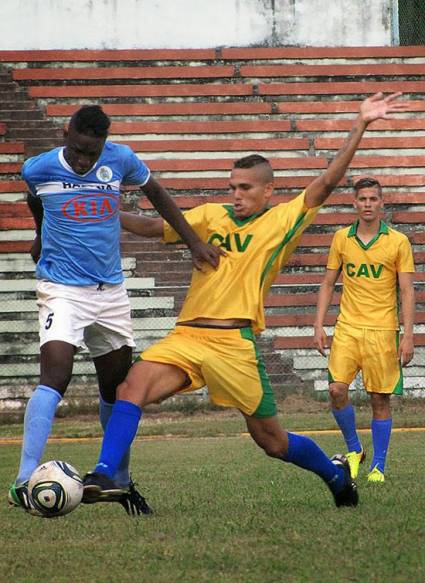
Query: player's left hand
35, 250
405, 350
379, 107
320, 340
205, 253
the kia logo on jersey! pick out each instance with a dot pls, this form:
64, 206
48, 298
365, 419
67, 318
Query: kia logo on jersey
91, 208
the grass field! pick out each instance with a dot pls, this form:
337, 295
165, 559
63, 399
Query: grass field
224, 512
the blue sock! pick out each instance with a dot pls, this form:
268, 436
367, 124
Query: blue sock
39, 415
381, 433
122, 475
119, 434
346, 419
305, 453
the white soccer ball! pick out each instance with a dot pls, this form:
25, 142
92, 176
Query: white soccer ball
55, 488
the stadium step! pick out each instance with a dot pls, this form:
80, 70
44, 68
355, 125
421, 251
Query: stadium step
17, 116
189, 113
12, 148
17, 105
152, 318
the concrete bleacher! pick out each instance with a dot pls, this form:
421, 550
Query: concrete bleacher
19, 348
188, 114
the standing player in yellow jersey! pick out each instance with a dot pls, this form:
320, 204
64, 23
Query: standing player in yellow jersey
376, 263
213, 343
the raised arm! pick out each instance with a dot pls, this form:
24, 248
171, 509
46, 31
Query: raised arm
323, 301
168, 209
375, 107
407, 294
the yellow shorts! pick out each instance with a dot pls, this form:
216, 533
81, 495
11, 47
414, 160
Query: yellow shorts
227, 361
374, 352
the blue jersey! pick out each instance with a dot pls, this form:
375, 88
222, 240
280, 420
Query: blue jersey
81, 226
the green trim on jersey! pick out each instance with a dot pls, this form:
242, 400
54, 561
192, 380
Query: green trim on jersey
241, 222
398, 298
383, 230
398, 389
267, 406
279, 248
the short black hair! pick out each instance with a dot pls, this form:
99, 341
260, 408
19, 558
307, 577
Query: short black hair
250, 161
91, 120
367, 182
265, 169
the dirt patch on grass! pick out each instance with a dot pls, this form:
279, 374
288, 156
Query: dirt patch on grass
302, 404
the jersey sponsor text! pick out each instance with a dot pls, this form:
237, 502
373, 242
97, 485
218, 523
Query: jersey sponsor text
90, 207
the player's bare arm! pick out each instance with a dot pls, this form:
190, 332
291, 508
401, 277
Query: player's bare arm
407, 294
326, 291
142, 225
36, 209
167, 208
375, 107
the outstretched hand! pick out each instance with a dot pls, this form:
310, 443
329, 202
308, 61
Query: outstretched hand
379, 107
205, 253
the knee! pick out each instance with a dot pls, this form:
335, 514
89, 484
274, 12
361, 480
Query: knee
56, 379
381, 407
338, 393
108, 394
128, 391
123, 390
273, 445
275, 449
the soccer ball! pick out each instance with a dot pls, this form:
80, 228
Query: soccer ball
55, 488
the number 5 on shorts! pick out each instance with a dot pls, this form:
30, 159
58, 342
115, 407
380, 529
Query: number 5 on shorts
49, 321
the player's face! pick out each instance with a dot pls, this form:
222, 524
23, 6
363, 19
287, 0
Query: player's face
368, 204
82, 151
250, 190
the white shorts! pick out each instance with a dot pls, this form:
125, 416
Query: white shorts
94, 316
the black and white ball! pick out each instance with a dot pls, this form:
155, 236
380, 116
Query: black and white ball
55, 488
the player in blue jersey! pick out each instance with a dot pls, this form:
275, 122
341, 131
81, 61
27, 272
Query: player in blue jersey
74, 196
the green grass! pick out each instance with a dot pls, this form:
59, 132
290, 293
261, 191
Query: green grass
226, 513
298, 414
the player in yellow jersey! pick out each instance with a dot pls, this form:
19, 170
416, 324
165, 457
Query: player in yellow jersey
213, 343
376, 264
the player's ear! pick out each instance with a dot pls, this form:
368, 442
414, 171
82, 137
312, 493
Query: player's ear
269, 190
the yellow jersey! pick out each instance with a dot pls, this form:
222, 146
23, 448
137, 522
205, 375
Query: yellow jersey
257, 247
369, 275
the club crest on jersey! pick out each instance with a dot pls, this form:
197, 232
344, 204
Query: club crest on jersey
104, 174
91, 208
